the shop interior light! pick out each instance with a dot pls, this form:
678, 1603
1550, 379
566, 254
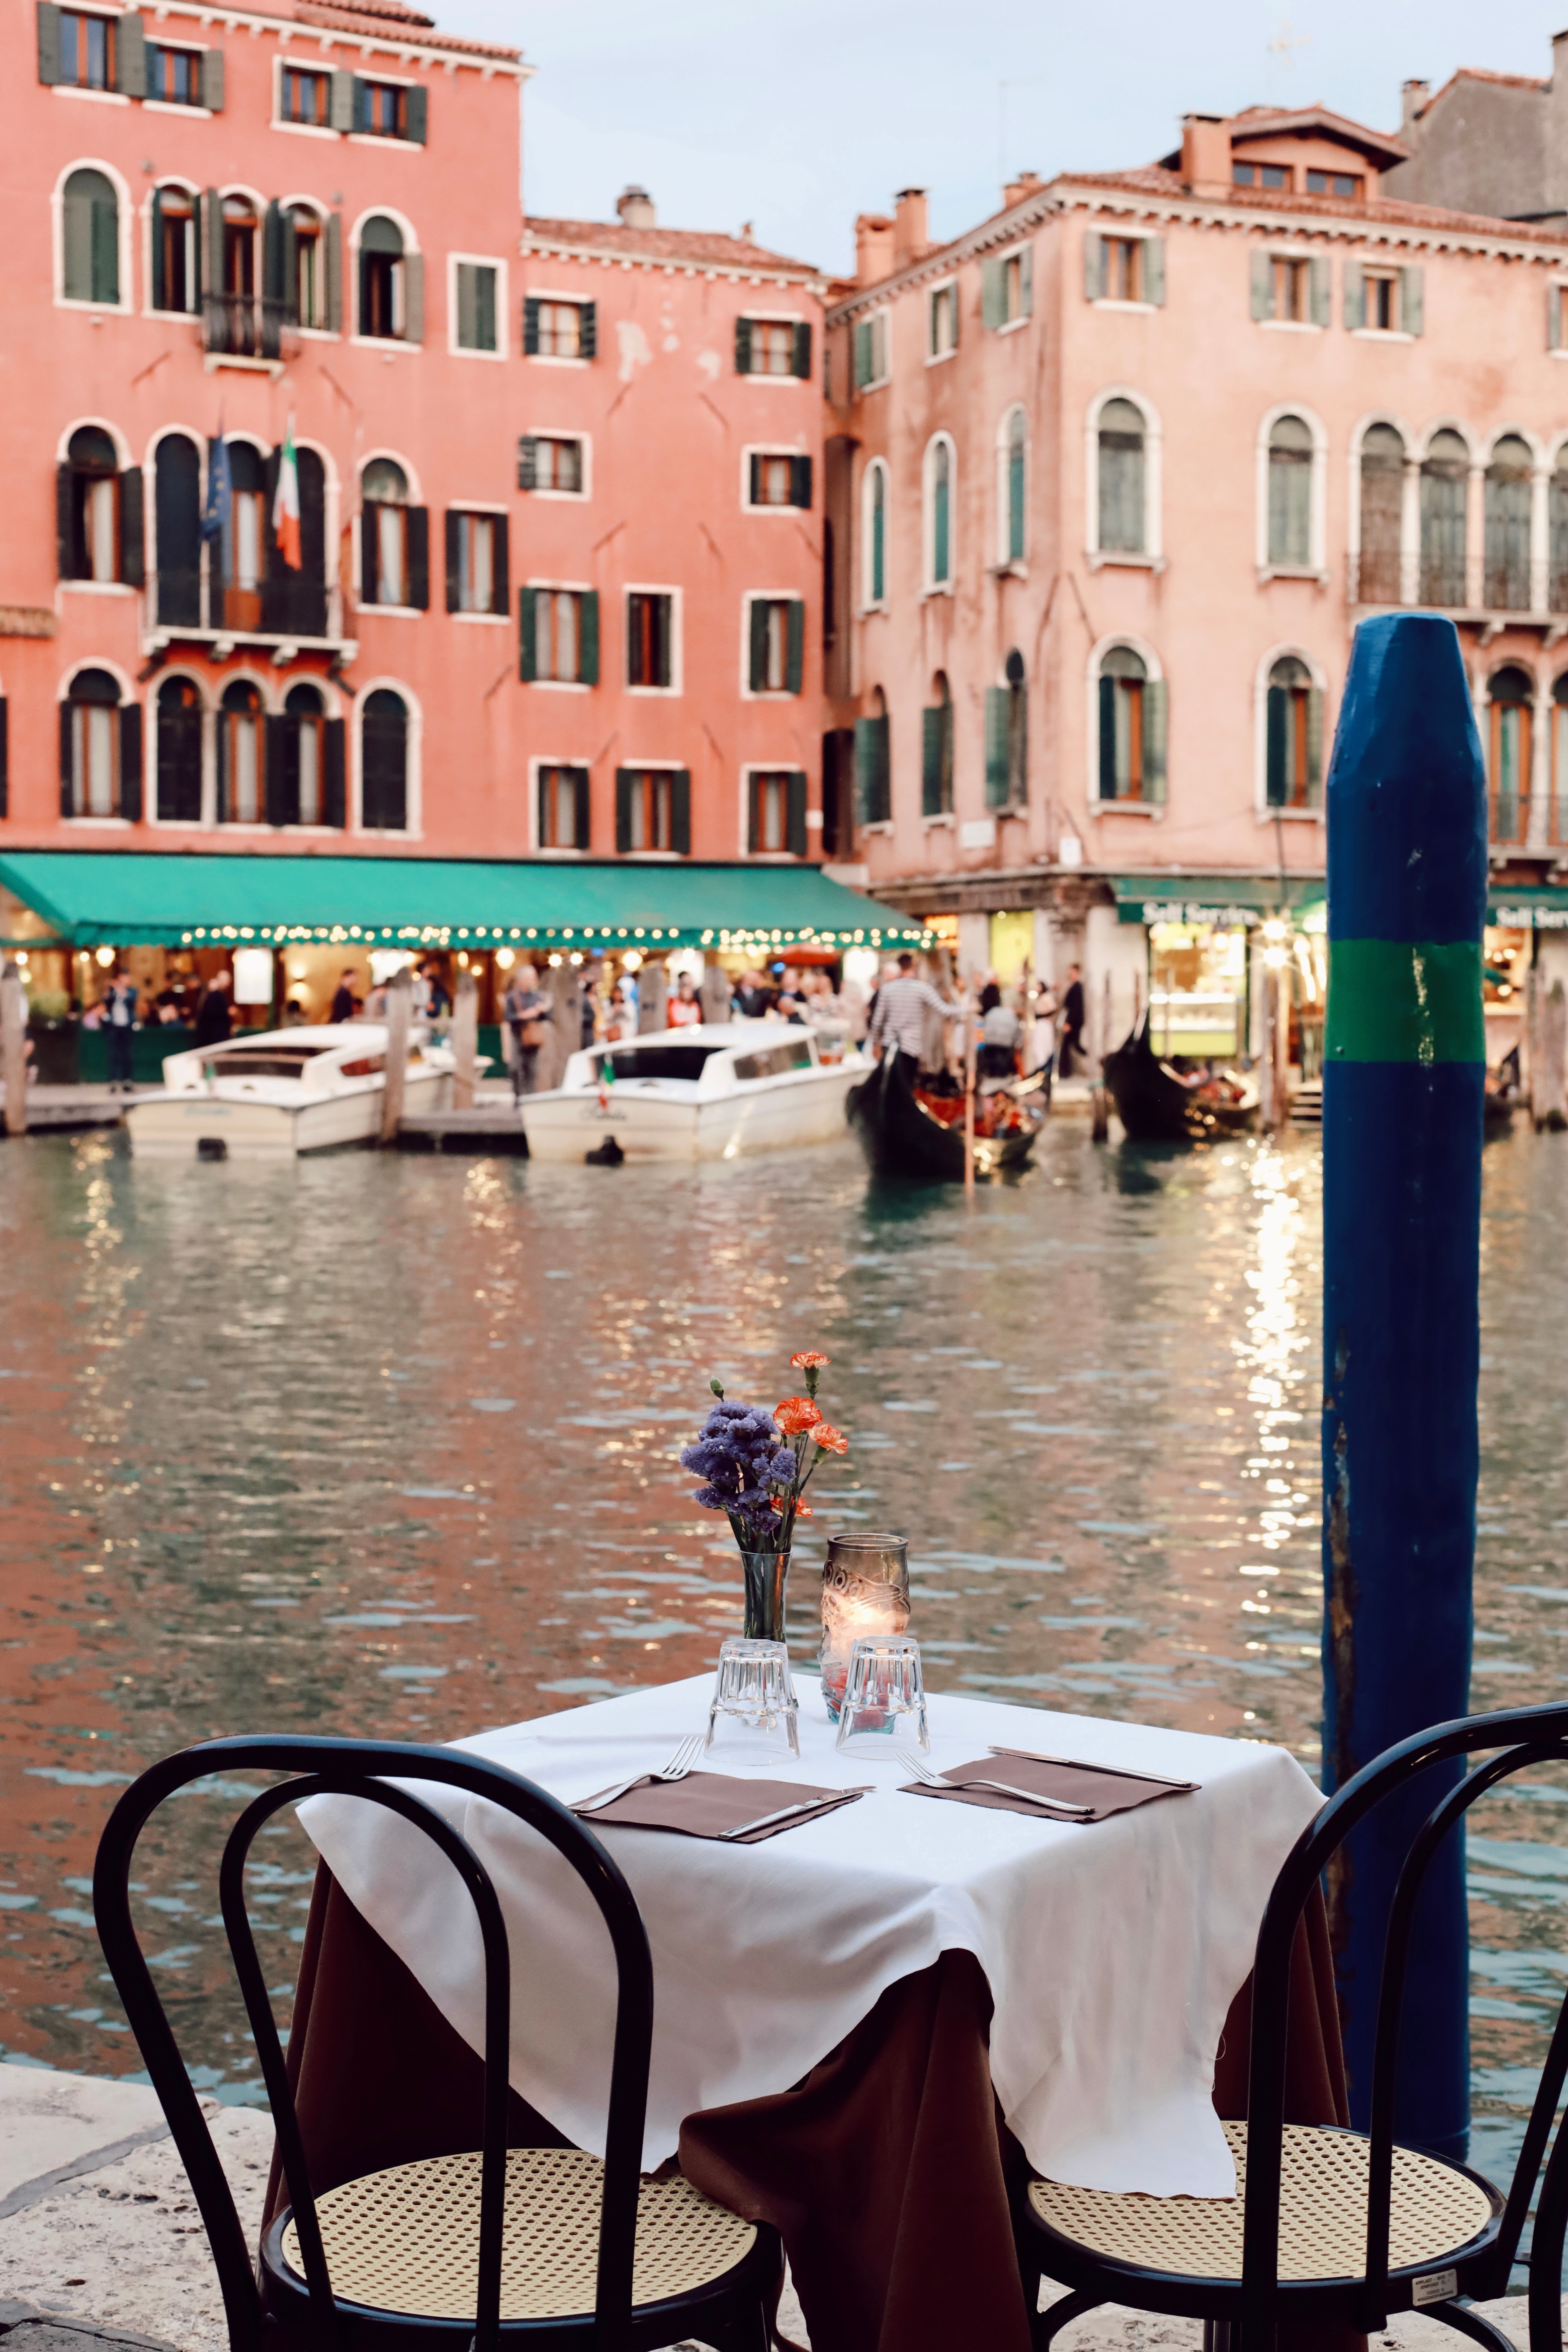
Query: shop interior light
505, 959
576, 956
631, 960
555, 961
106, 957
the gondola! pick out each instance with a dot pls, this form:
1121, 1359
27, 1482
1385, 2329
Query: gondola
915, 1134
1502, 1096
1155, 1105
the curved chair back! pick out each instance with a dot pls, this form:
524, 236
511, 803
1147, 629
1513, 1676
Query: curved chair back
1522, 1736
370, 1769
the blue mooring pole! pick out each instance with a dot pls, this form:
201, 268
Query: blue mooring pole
1403, 1067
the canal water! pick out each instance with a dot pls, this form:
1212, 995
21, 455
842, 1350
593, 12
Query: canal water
387, 1445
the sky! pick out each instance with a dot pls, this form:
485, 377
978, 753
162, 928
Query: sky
797, 114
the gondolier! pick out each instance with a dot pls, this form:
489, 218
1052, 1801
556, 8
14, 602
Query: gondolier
900, 1012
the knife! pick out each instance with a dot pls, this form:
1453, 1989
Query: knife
1074, 1764
787, 1812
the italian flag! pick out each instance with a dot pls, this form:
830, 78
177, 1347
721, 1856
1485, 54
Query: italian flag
286, 504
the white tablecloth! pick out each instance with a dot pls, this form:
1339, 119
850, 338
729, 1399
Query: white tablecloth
1113, 1951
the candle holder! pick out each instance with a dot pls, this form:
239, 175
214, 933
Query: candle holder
864, 1593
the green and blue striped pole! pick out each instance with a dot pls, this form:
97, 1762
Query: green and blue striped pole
1404, 1065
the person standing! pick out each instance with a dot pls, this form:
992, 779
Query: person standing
345, 1003
525, 1009
1000, 1034
1073, 1015
214, 1022
120, 1012
900, 1016
684, 1009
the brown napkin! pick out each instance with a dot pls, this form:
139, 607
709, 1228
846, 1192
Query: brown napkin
706, 1804
1076, 1784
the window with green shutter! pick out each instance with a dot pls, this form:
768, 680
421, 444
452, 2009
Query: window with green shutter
1014, 449
936, 752
1293, 773
939, 508
558, 636
775, 645
1131, 728
873, 768
563, 808
876, 521
477, 305
89, 241
775, 813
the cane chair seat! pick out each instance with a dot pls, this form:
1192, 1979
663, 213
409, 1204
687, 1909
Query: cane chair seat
407, 2240
1438, 2211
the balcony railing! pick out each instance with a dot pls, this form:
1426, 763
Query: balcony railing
1456, 582
244, 326
287, 605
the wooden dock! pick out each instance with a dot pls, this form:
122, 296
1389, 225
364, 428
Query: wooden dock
52, 1108
495, 1127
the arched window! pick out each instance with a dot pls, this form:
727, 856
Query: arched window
179, 755
1010, 499
295, 601
873, 764
1121, 479
1132, 715
1290, 492
304, 267
876, 541
100, 749
177, 530
1382, 515
1445, 474
383, 534
89, 240
384, 762
300, 795
100, 511
241, 760
385, 282
1293, 774
1007, 737
236, 320
244, 544
936, 750
1508, 527
175, 276
1559, 757
1510, 694
1557, 532
938, 513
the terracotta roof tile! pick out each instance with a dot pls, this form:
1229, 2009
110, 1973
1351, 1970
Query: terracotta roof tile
694, 245
1382, 211
1484, 73
389, 19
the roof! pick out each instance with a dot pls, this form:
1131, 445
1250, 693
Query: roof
217, 898
387, 20
1378, 212
1378, 147
695, 246
1483, 73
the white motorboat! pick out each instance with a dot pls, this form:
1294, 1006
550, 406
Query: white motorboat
282, 1091
707, 1092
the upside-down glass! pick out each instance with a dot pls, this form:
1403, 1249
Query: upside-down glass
884, 1695
865, 1591
754, 1709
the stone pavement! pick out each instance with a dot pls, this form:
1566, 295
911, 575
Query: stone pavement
102, 2250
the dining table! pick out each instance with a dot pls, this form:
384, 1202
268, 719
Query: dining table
870, 2024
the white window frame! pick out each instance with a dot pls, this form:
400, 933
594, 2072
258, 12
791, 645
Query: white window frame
677, 686
1125, 236
415, 499
122, 678
750, 767
300, 200
1378, 268
943, 286
413, 794
868, 603
1316, 566
1410, 502
771, 319
302, 65
208, 703
1304, 254
883, 312
487, 508
765, 449
171, 106
749, 693
503, 302
184, 188
1015, 566
350, 291
379, 137
930, 584
663, 768
579, 302
126, 306
569, 685
586, 444
1151, 810
1152, 558
1319, 676
538, 761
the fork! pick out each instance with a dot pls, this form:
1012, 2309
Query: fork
678, 1768
935, 1780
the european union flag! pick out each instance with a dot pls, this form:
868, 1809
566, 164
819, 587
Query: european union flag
220, 490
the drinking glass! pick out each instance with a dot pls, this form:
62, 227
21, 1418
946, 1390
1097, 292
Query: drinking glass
753, 1708
865, 1591
884, 1695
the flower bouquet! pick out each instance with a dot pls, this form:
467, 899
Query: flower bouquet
756, 1468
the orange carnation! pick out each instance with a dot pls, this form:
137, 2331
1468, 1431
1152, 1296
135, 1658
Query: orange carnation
809, 1360
831, 1440
802, 1510
796, 1415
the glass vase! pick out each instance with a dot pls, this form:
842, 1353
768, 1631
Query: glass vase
765, 1574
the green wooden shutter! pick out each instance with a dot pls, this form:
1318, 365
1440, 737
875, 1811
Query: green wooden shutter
794, 645
155, 223
131, 762
48, 42
485, 307
1108, 739
933, 731
1413, 298
467, 306
1276, 790
884, 741
212, 80
997, 702
1321, 286
528, 462
581, 809
680, 812
1154, 270
754, 480
1262, 285
588, 329
757, 659
1018, 746
527, 635
419, 558
1554, 318
272, 252
795, 813
800, 481
1093, 270
753, 810
1154, 723
335, 273
209, 261
588, 637
132, 528
1026, 282
500, 566
65, 523
334, 773
865, 769
416, 116
67, 789
862, 354
801, 365
414, 297
1355, 283
742, 346
288, 292
541, 814
530, 327
1315, 746
454, 559
369, 553
105, 249
993, 300
340, 100
276, 803
624, 780
130, 56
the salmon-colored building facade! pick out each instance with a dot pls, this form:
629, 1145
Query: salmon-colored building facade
558, 483
1112, 478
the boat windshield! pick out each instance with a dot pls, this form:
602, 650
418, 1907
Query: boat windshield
655, 1061
774, 1061
283, 1062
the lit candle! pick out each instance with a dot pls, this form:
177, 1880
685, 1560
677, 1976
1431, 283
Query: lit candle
864, 1593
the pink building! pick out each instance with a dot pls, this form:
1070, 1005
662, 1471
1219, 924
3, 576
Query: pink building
1112, 478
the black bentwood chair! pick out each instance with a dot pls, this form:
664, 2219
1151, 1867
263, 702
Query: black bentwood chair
1329, 2225
538, 2248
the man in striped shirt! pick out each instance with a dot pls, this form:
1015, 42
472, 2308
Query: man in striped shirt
900, 1011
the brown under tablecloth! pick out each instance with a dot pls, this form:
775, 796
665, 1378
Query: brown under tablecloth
884, 2170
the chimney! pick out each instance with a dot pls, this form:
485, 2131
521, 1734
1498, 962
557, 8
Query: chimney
1016, 190
873, 247
1413, 97
912, 233
1205, 153
636, 208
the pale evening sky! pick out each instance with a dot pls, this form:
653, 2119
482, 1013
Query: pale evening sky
797, 114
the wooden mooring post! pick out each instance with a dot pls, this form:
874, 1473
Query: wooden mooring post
399, 1010
465, 1041
14, 1047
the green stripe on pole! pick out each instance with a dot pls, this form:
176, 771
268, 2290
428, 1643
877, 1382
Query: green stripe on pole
1394, 1001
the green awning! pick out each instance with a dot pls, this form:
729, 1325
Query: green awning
131, 898
1539, 906
1216, 899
